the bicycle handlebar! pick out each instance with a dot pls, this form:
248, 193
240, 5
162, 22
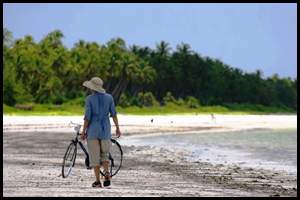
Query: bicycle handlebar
79, 127
74, 123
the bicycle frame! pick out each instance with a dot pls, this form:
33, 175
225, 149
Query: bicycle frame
83, 148
77, 129
87, 163
81, 145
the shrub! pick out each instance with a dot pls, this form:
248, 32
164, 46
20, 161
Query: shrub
192, 102
272, 104
78, 101
140, 97
73, 94
260, 107
180, 102
169, 98
123, 102
135, 102
214, 101
148, 99
59, 100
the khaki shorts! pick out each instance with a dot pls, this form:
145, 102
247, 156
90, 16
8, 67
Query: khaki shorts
98, 151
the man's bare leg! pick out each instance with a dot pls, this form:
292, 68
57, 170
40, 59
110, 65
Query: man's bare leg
97, 173
105, 166
106, 177
97, 170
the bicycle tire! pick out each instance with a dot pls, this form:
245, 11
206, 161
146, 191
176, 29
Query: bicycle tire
115, 157
69, 160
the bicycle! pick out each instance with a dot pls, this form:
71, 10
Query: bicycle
115, 155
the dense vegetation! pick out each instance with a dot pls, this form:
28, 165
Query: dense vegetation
48, 73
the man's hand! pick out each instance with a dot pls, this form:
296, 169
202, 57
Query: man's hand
85, 125
83, 136
118, 133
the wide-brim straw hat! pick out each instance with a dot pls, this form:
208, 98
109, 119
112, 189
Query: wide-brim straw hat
95, 84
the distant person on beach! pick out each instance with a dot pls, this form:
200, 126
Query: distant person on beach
213, 117
96, 127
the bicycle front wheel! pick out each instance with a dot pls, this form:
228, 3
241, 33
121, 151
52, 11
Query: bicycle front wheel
69, 160
115, 156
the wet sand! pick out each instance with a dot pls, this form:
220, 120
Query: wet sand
33, 148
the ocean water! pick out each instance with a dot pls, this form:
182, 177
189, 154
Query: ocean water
274, 149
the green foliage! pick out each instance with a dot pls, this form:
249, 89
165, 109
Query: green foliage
80, 101
13, 89
73, 94
214, 101
135, 102
148, 99
8, 109
140, 98
169, 98
9, 88
247, 107
123, 102
43, 110
180, 102
192, 102
272, 104
48, 73
172, 109
59, 100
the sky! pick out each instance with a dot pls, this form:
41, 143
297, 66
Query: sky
250, 37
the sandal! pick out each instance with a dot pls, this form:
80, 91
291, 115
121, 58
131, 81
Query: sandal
97, 184
106, 181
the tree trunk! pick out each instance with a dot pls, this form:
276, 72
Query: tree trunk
121, 90
108, 84
137, 90
117, 88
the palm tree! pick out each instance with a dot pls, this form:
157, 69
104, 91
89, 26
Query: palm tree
143, 53
113, 53
134, 49
8, 54
144, 75
44, 49
71, 76
126, 73
184, 48
7, 36
117, 43
60, 60
163, 49
55, 38
80, 45
29, 41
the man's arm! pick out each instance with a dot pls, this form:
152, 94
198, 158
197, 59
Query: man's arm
85, 125
118, 132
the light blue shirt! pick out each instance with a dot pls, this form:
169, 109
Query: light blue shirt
97, 108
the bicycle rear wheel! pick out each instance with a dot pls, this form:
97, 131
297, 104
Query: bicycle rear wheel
115, 157
69, 160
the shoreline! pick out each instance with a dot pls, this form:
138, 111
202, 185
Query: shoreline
209, 151
34, 156
134, 124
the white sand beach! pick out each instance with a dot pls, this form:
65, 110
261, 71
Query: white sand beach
33, 148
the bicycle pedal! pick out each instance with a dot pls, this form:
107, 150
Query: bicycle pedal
89, 168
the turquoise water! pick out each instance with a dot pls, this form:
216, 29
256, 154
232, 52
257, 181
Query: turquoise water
274, 149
